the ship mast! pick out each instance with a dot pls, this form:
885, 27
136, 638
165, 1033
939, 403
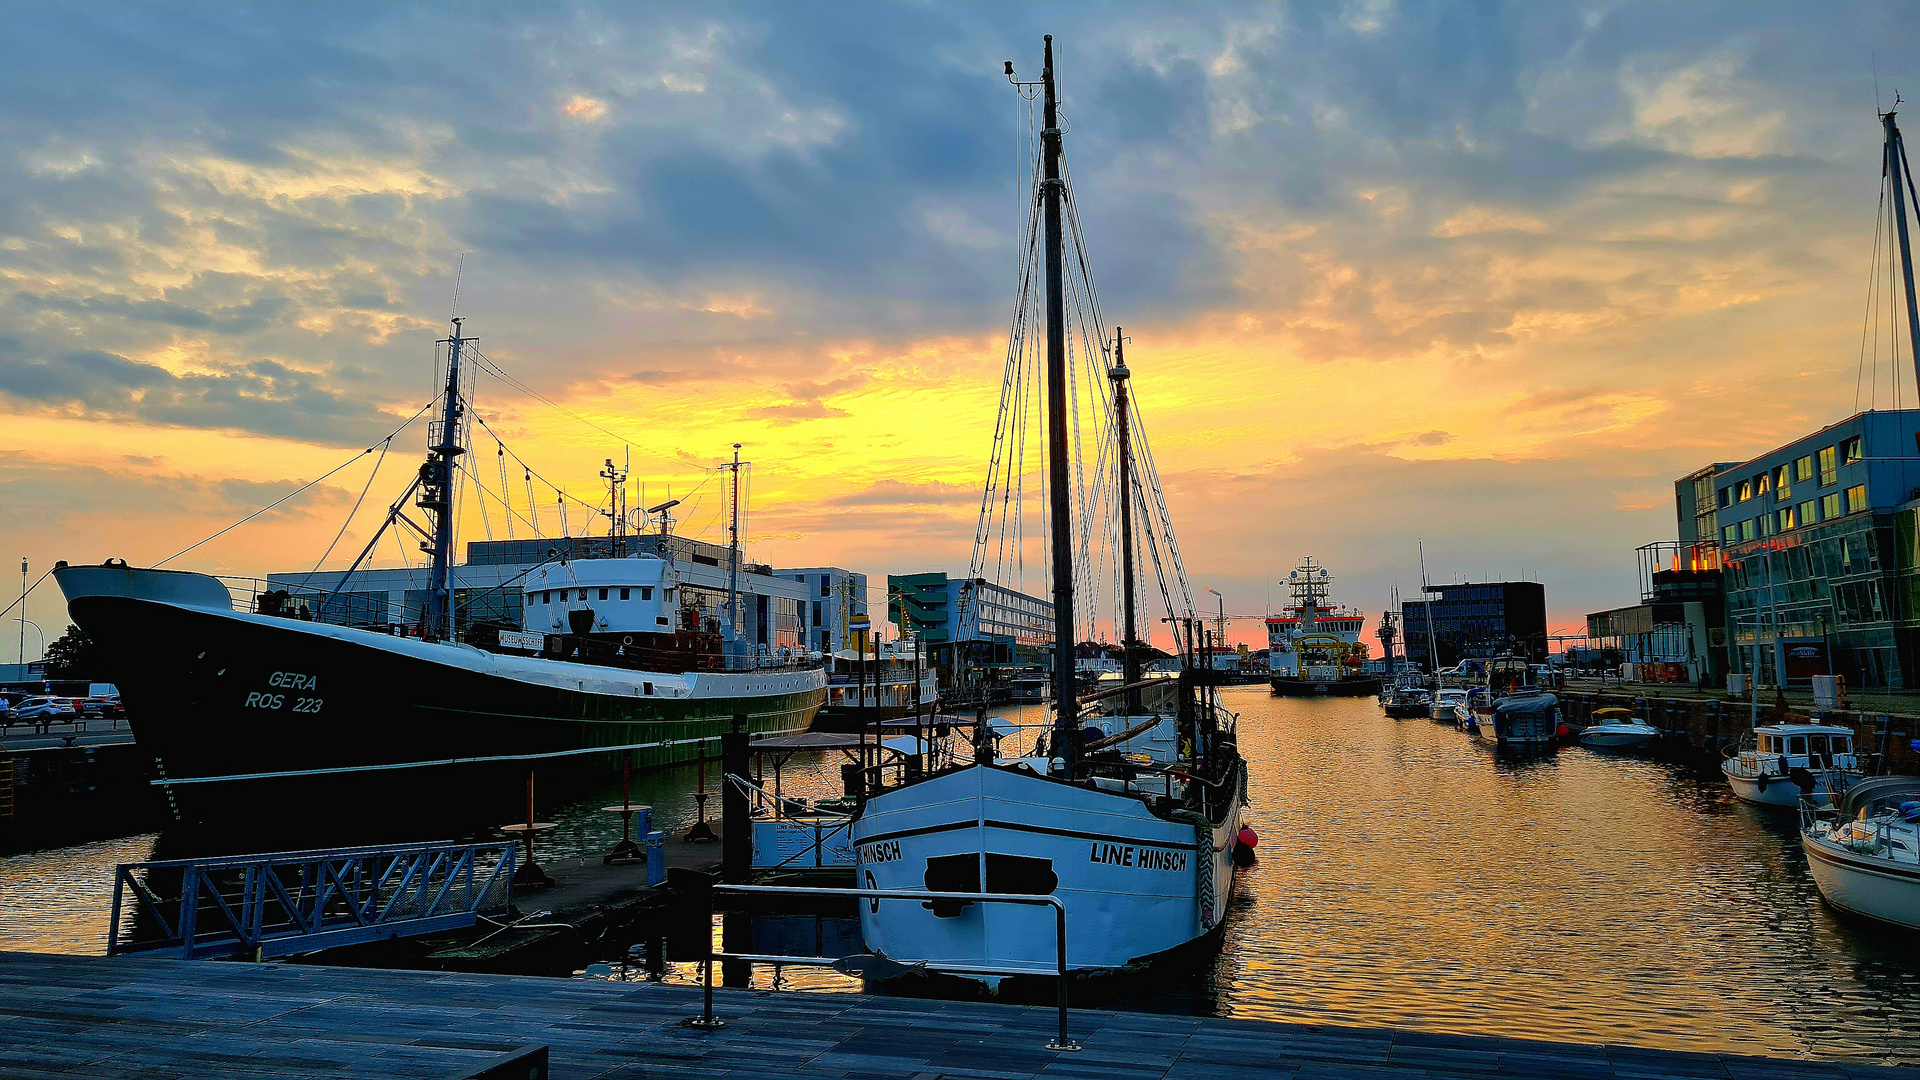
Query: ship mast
1129, 656
436, 490
733, 546
1060, 517
1893, 162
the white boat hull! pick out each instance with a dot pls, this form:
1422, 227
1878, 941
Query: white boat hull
1135, 885
1616, 740
1777, 790
1865, 886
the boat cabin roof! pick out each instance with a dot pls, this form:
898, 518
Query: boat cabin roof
1804, 729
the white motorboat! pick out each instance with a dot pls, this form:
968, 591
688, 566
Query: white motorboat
1780, 762
1446, 704
1528, 719
1863, 849
1618, 729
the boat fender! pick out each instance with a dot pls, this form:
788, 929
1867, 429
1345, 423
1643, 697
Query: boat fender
1761, 780
1247, 837
1243, 856
1803, 779
1563, 731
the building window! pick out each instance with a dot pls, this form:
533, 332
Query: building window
1785, 516
1726, 497
1851, 451
1809, 512
1829, 471
1803, 468
1746, 529
1746, 490
816, 613
1829, 506
1856, 498
1766, 524
646, 592
1730, 533
1782, 483
826, 584
603, 594
1762, 484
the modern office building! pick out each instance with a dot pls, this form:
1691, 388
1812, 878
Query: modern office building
1469, 621
836, 599
774, 607
1677, 632
972, 618
1818, 541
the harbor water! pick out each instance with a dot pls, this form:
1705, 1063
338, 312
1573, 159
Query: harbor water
1408, 878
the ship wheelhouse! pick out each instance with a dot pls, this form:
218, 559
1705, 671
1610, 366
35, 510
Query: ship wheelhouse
635, 595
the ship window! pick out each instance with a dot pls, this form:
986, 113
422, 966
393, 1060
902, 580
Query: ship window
951, 873
646, 592
1818, 743
1841, 745
603, 594
1020, 874
1797, 745
1766, 744
546, 597
646, 688
624, 594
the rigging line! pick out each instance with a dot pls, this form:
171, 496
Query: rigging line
1873, 287
298, 490
484, 490
506, 489
522, 461
384, 447
486, 520
488, 365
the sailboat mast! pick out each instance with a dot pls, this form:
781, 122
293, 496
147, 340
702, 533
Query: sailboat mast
733, 549
1129, 650
436, 491
1065, 700
1894, 163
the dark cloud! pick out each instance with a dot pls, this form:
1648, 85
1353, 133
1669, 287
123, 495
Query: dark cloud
259, 397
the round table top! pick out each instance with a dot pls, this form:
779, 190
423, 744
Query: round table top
628, 809
538, 826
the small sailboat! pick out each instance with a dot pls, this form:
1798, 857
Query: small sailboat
1128, 807
1863, 849
1618, 729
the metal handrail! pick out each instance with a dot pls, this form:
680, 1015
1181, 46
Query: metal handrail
706, 1021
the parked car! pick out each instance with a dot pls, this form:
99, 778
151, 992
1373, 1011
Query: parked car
105, 707
41, 709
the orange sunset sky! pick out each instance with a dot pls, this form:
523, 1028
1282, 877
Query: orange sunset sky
1491, 276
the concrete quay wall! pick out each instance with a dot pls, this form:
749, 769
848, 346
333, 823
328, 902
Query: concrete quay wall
1710, 725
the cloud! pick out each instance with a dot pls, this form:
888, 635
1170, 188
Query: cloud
889, 493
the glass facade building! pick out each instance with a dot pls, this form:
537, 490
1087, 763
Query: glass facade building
995, 625
1495, 618
1819, 553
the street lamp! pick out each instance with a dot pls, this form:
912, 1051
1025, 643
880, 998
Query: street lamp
24, 623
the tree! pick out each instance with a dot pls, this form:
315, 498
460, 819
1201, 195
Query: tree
73, 656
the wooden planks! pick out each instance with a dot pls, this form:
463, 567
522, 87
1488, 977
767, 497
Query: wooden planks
70, 1016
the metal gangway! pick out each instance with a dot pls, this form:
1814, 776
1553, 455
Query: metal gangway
259, 906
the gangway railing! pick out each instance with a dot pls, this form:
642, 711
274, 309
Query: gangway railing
707, 1021
296, 901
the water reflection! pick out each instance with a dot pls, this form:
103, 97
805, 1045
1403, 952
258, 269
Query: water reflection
1409, 877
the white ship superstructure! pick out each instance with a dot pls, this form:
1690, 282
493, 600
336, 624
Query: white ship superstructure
1309, 614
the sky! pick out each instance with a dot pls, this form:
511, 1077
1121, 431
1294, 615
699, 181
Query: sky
1484, 277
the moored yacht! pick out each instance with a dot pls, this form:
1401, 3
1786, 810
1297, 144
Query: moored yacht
1618, 729
1447, 703
892, 681
1780, 762
1863, 849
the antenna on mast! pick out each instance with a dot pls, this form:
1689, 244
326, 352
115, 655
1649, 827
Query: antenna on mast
459, 271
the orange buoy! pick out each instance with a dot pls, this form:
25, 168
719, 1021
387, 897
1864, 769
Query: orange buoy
1563, 731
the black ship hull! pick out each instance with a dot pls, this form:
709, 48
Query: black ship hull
1284, 686
303, 730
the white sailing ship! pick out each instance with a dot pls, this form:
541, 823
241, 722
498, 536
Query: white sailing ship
1129, 808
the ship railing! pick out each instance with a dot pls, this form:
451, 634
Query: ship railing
708, 1021
254, 595
296, 901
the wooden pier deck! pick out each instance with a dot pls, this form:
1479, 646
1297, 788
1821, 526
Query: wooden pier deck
76, 1016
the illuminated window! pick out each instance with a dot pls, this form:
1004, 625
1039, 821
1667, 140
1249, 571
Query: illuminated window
1829, 506
1856, 498
1746, 490
1809, 512
1829, 470
1785, 516
1746, 529
1730, 533
1766, 524
1762, 484
1851, 451
1803, 468
1782, 483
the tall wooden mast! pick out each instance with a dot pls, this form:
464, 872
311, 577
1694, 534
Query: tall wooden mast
1129, 648
1066, 720
1893, 163
436, 490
